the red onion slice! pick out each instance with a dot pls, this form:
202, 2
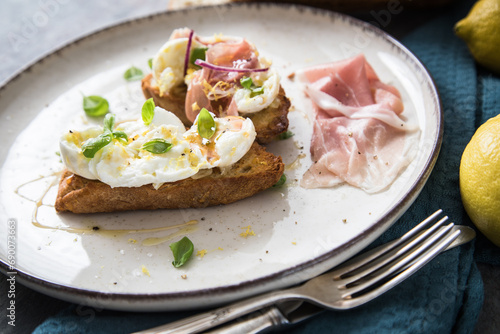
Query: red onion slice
203, 63
188, 51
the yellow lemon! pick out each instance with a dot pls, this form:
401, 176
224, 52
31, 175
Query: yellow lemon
480, 179
481, 31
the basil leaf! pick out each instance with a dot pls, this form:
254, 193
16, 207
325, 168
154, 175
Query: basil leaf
246, 82
256, 91
93, 145
197, 53
285, 135
206, 124
148, 111
109, 123
157, 146
95, 106
150, 63
133, 74
182, 251
281, 181
120, 135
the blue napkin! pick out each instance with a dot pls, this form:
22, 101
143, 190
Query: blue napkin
444, 296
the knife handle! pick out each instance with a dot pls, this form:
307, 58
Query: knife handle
256, 322
211, 319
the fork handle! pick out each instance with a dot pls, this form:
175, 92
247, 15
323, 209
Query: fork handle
204, 321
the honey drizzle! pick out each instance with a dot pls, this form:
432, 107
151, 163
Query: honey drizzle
184, 227
296, 163
39, 202
158, 241
53, 183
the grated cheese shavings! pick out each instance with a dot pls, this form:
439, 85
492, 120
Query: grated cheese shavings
145, 270
201, 253
248, 232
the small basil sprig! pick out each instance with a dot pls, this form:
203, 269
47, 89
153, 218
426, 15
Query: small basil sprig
108, 123
95, 105
121, 136
281, 181
148, 111
247, 83
150, 63
133, 74
285, 135
182, 250
197, 53
93, 145
206, 124
157, 146
257, 91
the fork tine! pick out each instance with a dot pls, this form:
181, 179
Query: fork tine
374, 254
392, 254
420, 251
407, 272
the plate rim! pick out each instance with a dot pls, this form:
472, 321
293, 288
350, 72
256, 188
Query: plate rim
387, 220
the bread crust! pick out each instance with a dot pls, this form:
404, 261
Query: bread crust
256, 171
269, 122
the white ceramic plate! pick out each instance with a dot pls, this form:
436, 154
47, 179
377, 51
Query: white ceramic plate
299, 233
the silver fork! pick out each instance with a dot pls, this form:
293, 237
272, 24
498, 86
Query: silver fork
356, 282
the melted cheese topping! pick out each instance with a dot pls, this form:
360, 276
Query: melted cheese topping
121, 164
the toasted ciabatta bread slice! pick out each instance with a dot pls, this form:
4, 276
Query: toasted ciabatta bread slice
256, 171
269, 122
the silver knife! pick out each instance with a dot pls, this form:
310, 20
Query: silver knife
272, 317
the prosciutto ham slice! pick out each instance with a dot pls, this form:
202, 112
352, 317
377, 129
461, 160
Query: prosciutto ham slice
213, 90
358, 135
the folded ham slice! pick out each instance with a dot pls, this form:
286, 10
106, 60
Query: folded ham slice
358, 135
204, 91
